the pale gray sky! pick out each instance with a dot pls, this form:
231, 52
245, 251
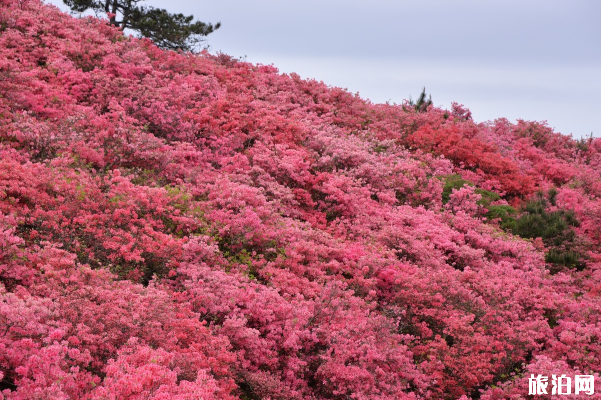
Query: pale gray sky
535, 59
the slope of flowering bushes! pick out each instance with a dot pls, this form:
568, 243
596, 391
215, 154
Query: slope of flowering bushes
196, 227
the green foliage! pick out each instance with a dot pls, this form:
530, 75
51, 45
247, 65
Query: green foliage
503, 212
584, 143
554, 228
455, 182
146, 177
166, 30
535, 131
452, 182
569, 258
422, 104
170, 31
487, 197
179, 198
552, 317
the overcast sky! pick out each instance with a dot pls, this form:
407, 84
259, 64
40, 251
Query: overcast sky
535, 60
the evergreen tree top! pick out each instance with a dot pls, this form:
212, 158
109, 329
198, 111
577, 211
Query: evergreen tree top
166, 30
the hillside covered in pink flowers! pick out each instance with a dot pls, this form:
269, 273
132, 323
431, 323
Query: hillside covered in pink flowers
196, 227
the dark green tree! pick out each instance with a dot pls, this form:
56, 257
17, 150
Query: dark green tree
555, 228
422, 103
166, 30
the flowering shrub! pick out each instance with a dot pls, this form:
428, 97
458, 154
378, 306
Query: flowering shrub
197, 227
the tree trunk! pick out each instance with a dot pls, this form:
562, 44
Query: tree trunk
114, 12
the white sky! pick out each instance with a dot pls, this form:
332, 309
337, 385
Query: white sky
535, 60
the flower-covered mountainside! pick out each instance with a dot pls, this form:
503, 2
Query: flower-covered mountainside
195, 227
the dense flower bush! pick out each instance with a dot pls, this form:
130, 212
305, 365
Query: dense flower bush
178, 226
